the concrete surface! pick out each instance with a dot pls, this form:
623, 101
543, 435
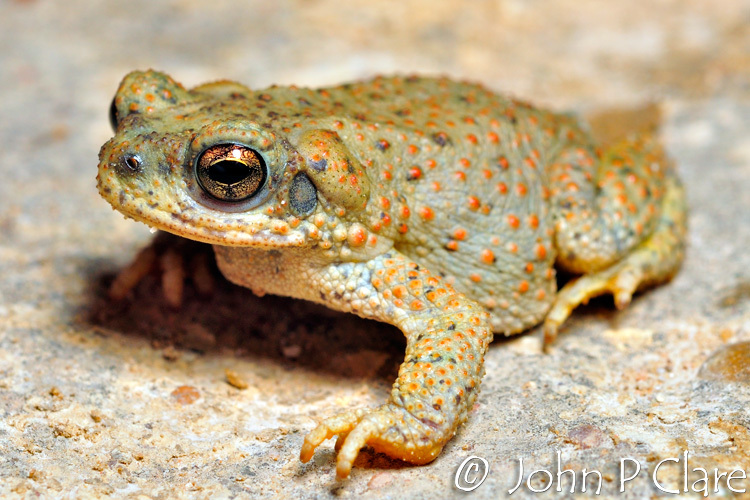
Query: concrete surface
134, 400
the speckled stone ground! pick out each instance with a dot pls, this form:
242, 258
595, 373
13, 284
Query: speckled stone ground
136, 400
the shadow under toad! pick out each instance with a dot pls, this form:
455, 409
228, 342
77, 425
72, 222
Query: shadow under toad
231, 321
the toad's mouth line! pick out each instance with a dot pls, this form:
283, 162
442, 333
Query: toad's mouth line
265, 233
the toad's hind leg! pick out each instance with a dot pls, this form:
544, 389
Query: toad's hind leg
654, 260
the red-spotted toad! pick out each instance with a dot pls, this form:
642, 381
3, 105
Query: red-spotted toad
436, 206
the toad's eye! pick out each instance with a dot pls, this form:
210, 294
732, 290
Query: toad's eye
230, 172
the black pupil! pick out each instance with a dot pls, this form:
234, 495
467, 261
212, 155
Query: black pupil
228, 172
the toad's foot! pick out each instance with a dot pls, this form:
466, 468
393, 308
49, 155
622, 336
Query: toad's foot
653, 261
175, 258
620, 280
389, 429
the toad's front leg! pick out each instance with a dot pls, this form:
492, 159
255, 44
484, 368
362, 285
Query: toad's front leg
447, 336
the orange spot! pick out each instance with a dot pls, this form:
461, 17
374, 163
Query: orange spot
503, 162
416, 305
487, 173
472, 138
541, 251
403, 228
464, 162
405, 212
412, 149
474, 203
475, 277
414, 173
512, 247
430, 163
400, 291
529, 267
459, 233
357, 236
493, 137
533, 221
513, 221
452, 245
540, 294
426, 213
521, 189
385, 203
523, 287
459, 176
502, 188
487, 256
436, 186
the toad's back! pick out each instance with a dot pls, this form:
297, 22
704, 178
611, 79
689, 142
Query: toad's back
477, 186
458, 180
